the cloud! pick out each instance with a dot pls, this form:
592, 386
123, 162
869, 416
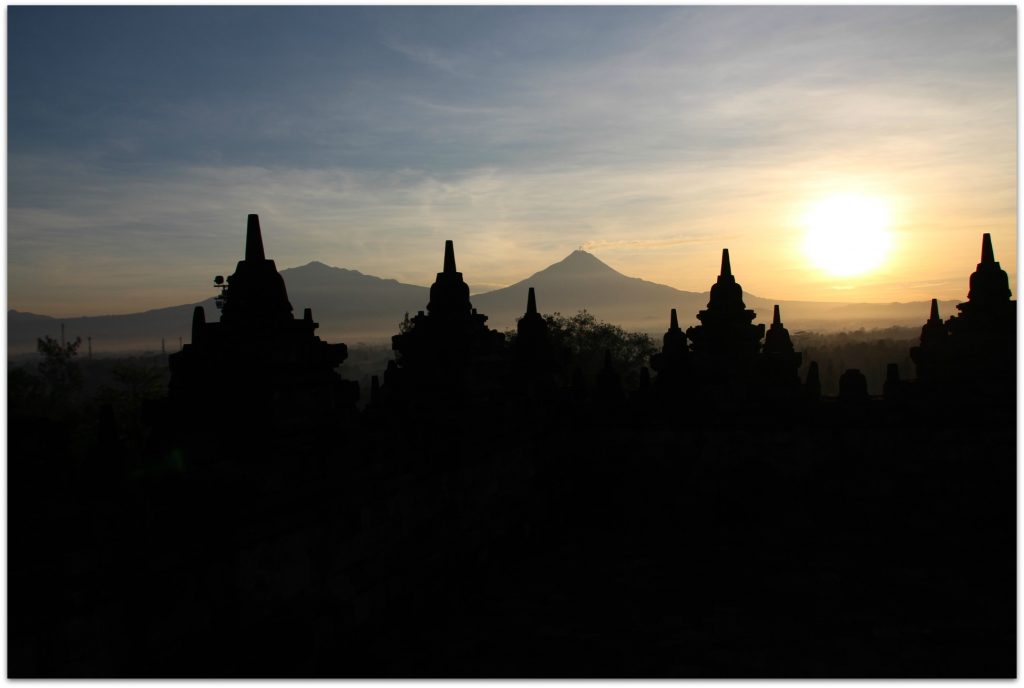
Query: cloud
430, 56
522, 133
604, 244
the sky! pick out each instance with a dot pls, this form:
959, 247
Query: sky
139, 138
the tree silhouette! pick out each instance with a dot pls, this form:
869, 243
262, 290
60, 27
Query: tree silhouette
58, 368
586, 340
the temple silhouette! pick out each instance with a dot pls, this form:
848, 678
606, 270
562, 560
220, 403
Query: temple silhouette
490, 506
726, 343
258, 363
973, 355
449, 348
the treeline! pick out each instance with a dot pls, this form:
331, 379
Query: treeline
75, 396
59, 381
870, 351
586, 339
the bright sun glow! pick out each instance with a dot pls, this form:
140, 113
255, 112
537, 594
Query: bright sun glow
847, 235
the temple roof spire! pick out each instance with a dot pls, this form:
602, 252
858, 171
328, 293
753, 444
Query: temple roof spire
532, 329
449, 257
254, 239
726, 332
449, 294
777, 340
198, 323
726, 267
987, 254
935, 311
673, 321
989, 283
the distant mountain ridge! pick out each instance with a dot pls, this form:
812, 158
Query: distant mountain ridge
581, 280
353, 307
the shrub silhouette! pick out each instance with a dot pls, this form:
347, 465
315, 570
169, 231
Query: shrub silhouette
584, 340
58, 368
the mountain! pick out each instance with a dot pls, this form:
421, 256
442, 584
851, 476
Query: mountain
352, 307
349, 306
581, 281
129, 332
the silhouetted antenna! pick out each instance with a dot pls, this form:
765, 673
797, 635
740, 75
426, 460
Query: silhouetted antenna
254, 240
449, 257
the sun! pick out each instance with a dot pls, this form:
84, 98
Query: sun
847, 234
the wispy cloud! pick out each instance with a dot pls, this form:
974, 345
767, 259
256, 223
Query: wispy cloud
604, 244
367, 136
430, 56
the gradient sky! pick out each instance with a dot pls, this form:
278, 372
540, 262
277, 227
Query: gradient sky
139, 139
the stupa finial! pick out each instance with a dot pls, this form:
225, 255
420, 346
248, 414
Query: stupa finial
254, 239
449, 257
988, 256
726, 266
198, 322
531, 302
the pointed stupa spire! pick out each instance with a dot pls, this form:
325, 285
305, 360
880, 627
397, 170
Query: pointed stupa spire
812, 384
254, 239
988, 256
531, 328
892, 372
198, 322
934, 332
449, 257
726, 266
374, 389
449, 294
776, 340
673, 344
531, 302
892, 388
989, 283
813, 374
